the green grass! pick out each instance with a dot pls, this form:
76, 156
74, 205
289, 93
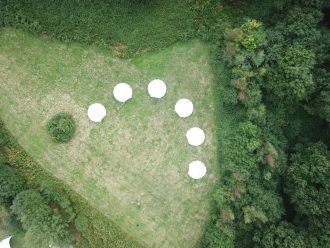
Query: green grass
127, 26
133, 165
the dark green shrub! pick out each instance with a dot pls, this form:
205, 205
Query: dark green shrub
280, 235
54, 193
126, 26
61, 127
11, 183
43, 226
257, 115
291, 78
81, 223
308, 183
11, 223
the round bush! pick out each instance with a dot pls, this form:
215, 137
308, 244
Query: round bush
81, 223
61, 127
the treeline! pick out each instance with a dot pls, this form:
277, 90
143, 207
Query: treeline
46, 211
31, 211
274, 188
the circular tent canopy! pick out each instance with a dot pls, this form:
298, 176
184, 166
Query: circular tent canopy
96, 112
157, 88
184, 107
197, 170
122, 92
195, 136
5, 243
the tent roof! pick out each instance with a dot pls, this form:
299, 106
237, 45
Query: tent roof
157, 88
184, 107
122, 92
195, 136
96, 112
197, 169
5, 243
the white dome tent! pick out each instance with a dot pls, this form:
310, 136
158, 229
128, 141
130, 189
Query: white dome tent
96, 112
197, 169
157, 88
184, 108
5, 243
195, 136
122, 92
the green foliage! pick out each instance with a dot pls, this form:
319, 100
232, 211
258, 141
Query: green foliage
257, 115
43, 226
312, 3
308, 180
12, 224
253, 35
291, 79
319, 103
262, 203
273, 72
280, 235
11, 183
299, 26
127, 27
101, 233
318, 232
250, 136
30, 207
252, 214
81, 223
54, 193
61, 127
322, 104
215, 238
245, 55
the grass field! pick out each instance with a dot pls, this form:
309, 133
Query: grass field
133, 165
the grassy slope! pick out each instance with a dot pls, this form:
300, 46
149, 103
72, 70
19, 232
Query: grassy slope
100, 232
133, 165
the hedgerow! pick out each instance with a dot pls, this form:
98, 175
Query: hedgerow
127, 27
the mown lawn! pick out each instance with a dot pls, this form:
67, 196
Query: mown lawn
133, 165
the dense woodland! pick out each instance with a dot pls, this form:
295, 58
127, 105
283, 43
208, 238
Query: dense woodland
274, 185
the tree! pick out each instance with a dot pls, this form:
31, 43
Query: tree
290, 78
43, 226
282, 235
53, 192
319, 103
11, 183
245, 57
308, 179
81, 223
300, 26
